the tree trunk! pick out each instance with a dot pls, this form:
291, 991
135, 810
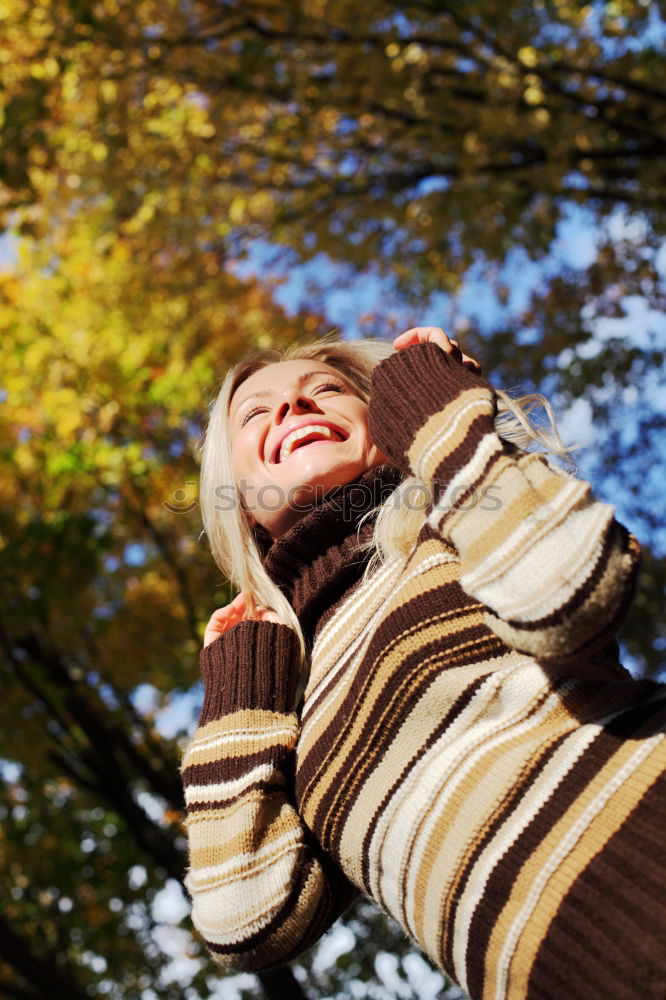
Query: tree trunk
281, 984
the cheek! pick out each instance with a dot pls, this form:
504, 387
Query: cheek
235, 462
360, 419
369, 443
240, 467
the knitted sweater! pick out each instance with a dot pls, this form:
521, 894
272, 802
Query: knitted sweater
468, 753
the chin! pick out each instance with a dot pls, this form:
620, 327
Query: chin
306, 493
323, 479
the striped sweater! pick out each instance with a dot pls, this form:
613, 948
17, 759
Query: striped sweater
468, 752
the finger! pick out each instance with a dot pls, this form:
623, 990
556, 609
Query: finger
471, 363
229, 610
406, 339
217, 626
266, 614
238, 607
221, 615
419, 335
431, 335
422, 335
229, 614
456, 352
214, 631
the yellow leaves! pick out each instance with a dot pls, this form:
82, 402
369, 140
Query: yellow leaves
24, 459
151, 203
66, 418
9, 291
46, 70
260, 203
162, 94
328, 119
471, 143
236, 212
414, 54
36, 355
528, 56
42, 180
506, 79
106, 415
251, 131
70, 84
137, 222
243, 209
205, 163
201, 127
108, 90
619, 8
533, 95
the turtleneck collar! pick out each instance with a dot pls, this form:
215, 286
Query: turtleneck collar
318, 560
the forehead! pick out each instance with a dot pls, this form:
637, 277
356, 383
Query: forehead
280, 375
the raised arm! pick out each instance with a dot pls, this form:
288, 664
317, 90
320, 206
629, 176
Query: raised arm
554, 568
261, 890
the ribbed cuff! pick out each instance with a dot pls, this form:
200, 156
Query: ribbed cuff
409, 387
253, 665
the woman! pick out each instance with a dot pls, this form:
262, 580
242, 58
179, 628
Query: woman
467, 751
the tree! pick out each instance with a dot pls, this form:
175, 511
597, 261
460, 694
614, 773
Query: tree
414, 134
144, 149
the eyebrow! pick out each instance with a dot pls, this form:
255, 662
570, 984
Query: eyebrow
300, 382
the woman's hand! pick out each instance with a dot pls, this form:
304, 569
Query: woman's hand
241, 609
435, 335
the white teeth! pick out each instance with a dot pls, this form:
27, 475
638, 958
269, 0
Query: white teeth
301, 432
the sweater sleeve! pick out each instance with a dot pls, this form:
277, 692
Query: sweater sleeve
261, 890
552, 566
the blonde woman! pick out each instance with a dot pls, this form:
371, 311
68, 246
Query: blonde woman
416, 693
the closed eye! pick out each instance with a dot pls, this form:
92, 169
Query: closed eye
251, 413
330, 385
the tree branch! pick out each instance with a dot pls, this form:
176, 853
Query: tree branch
43, 972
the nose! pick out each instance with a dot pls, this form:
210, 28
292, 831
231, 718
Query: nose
294, 401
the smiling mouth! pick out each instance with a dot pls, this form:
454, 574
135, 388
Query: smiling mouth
310, 434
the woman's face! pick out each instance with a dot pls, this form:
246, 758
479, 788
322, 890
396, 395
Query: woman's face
297, 430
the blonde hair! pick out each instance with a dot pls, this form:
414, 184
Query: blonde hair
238, 547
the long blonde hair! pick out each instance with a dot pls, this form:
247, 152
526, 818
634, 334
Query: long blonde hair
238, 547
